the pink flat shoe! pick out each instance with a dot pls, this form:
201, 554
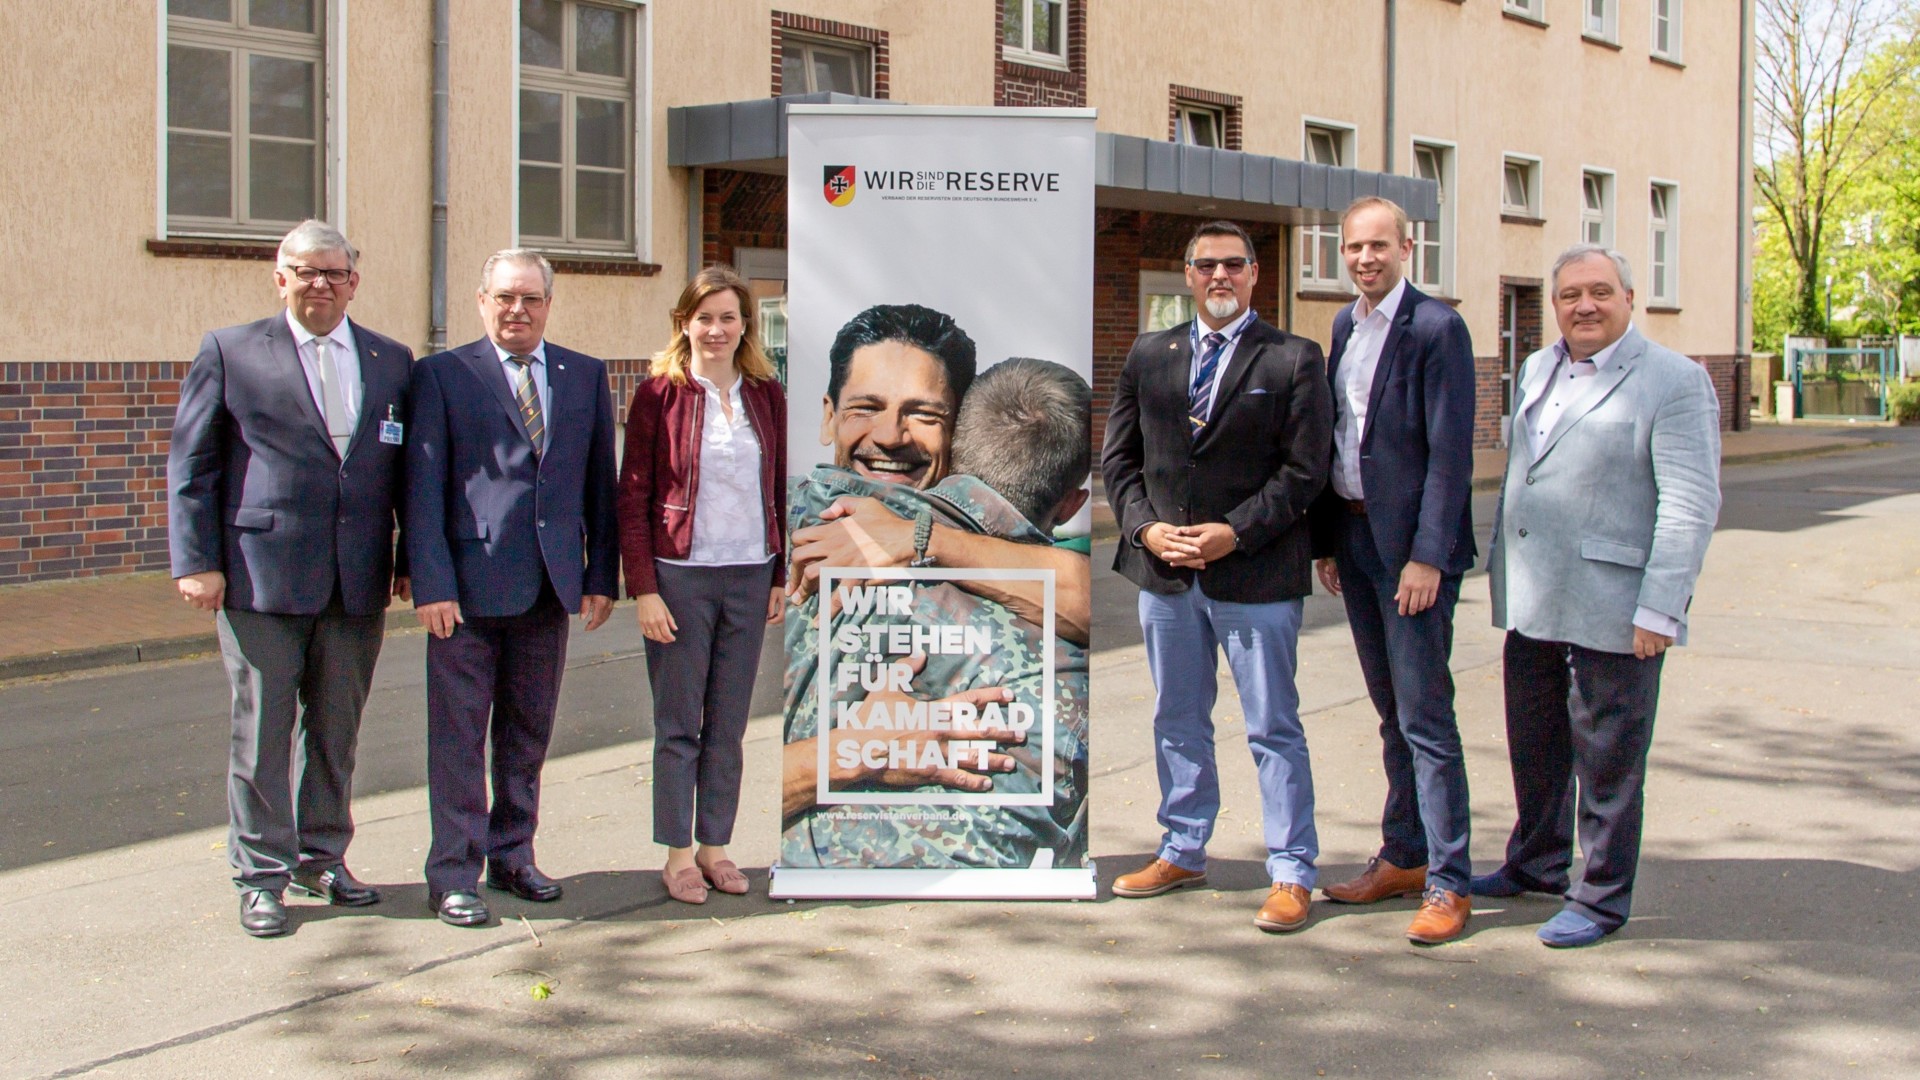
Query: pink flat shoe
687, 886
726, 877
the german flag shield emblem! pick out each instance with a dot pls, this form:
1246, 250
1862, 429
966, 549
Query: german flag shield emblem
839, 184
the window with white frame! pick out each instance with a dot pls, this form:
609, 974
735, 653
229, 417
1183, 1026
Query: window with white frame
1320, 264
1200, 125
1431, 268
576, 125
1600, 19
810, 65
1034, 31
1165, 300
1596, 208
1520, 187
246, 115
1532, 9
1663, 245
1666, 29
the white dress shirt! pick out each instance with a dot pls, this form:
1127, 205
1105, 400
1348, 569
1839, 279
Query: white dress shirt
346, 363
1354, 385
1233, 331
537, 371
729, 511
1571, 384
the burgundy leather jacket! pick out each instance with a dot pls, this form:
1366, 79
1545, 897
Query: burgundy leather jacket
660, 473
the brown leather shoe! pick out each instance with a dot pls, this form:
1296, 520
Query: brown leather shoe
1442, 917
1285, 909
1381, 880
1158, 876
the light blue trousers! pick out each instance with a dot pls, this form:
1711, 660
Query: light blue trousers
1183, 633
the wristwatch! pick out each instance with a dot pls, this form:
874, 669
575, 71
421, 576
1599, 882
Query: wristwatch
922, 536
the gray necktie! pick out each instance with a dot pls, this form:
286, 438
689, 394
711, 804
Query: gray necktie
334, 404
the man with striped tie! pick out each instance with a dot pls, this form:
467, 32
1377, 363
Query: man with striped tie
1217, 442
510, 524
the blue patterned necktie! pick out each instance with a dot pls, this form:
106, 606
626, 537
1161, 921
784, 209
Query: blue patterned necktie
1199, 402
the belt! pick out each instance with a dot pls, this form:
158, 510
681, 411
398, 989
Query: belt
1357, 507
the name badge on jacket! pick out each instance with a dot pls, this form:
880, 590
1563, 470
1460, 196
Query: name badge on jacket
391, 430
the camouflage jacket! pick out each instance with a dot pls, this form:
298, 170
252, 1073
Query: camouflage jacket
946, 836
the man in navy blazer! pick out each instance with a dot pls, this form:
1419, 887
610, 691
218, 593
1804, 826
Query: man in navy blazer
1393, 534
510, 526
282, 483
1216, 446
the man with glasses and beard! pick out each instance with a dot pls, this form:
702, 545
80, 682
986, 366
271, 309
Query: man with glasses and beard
1217, 443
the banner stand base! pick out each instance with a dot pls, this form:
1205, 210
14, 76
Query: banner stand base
801, 883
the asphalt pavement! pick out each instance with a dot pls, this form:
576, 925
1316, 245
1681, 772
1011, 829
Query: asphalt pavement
1774, 932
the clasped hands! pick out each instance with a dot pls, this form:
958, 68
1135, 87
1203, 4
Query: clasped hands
1190, 547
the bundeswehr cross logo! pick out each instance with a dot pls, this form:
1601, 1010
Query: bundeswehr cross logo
839, 184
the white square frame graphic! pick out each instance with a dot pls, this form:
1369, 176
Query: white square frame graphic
824, 656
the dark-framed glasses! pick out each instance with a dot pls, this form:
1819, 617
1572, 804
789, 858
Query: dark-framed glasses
1205, 267
311, 274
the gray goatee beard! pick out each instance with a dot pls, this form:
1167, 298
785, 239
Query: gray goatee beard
1223, 307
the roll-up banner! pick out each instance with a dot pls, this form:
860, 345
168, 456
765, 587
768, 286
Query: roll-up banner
940, 299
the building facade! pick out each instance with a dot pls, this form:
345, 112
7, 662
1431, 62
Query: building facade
172, 141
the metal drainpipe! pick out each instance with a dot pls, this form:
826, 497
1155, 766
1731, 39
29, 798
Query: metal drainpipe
437, 245
1392, 60
1743, 228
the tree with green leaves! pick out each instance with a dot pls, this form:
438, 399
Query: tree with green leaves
1825, 74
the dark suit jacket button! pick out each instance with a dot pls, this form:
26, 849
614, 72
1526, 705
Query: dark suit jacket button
1523, 532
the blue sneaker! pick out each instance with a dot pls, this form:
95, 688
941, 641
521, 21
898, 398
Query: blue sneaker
1570, 930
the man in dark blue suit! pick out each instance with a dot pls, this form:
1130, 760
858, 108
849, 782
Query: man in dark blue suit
1394, 535
510, 526
282, 483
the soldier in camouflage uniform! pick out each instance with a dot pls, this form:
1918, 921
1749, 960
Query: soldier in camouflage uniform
938, 836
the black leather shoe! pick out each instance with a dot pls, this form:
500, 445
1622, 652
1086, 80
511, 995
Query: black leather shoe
459, 908
525, 882
336, 886
262, 914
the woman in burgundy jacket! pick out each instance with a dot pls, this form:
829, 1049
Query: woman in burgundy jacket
702, 533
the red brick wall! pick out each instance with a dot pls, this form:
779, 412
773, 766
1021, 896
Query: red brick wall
1028, 84
83, 465
1486, 401
742, 209
1730, 376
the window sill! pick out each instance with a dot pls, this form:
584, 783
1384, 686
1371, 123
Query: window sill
1603, 42
1508, 217
608, 267
1662, 309
254, 250
1046, 62
1667, 61
1527, 19
1056, 76
1328, 296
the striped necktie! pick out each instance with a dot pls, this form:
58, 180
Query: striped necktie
1199, 397
527, 396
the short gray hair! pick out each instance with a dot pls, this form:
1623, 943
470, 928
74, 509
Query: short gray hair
314, 237
1581, 251
1023, 431
524, 256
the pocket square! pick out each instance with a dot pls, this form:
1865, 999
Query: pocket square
1258, 390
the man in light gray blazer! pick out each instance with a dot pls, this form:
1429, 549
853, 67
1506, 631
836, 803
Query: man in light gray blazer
1611, 493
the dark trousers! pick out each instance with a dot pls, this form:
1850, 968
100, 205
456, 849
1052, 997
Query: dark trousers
495, 680
287, 796
1403, 659
1577, 714
702, 690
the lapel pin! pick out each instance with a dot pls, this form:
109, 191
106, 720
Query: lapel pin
1173, 346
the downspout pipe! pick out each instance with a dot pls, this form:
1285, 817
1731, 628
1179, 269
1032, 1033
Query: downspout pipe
1743, 228
1393, 34
437, 243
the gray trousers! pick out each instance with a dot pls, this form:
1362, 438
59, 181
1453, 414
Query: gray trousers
702, 691
299, 683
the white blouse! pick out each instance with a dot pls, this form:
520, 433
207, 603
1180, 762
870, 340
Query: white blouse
729, 514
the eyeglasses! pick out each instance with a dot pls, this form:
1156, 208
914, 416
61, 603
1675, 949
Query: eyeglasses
507, 301
1206, 267
311, 274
